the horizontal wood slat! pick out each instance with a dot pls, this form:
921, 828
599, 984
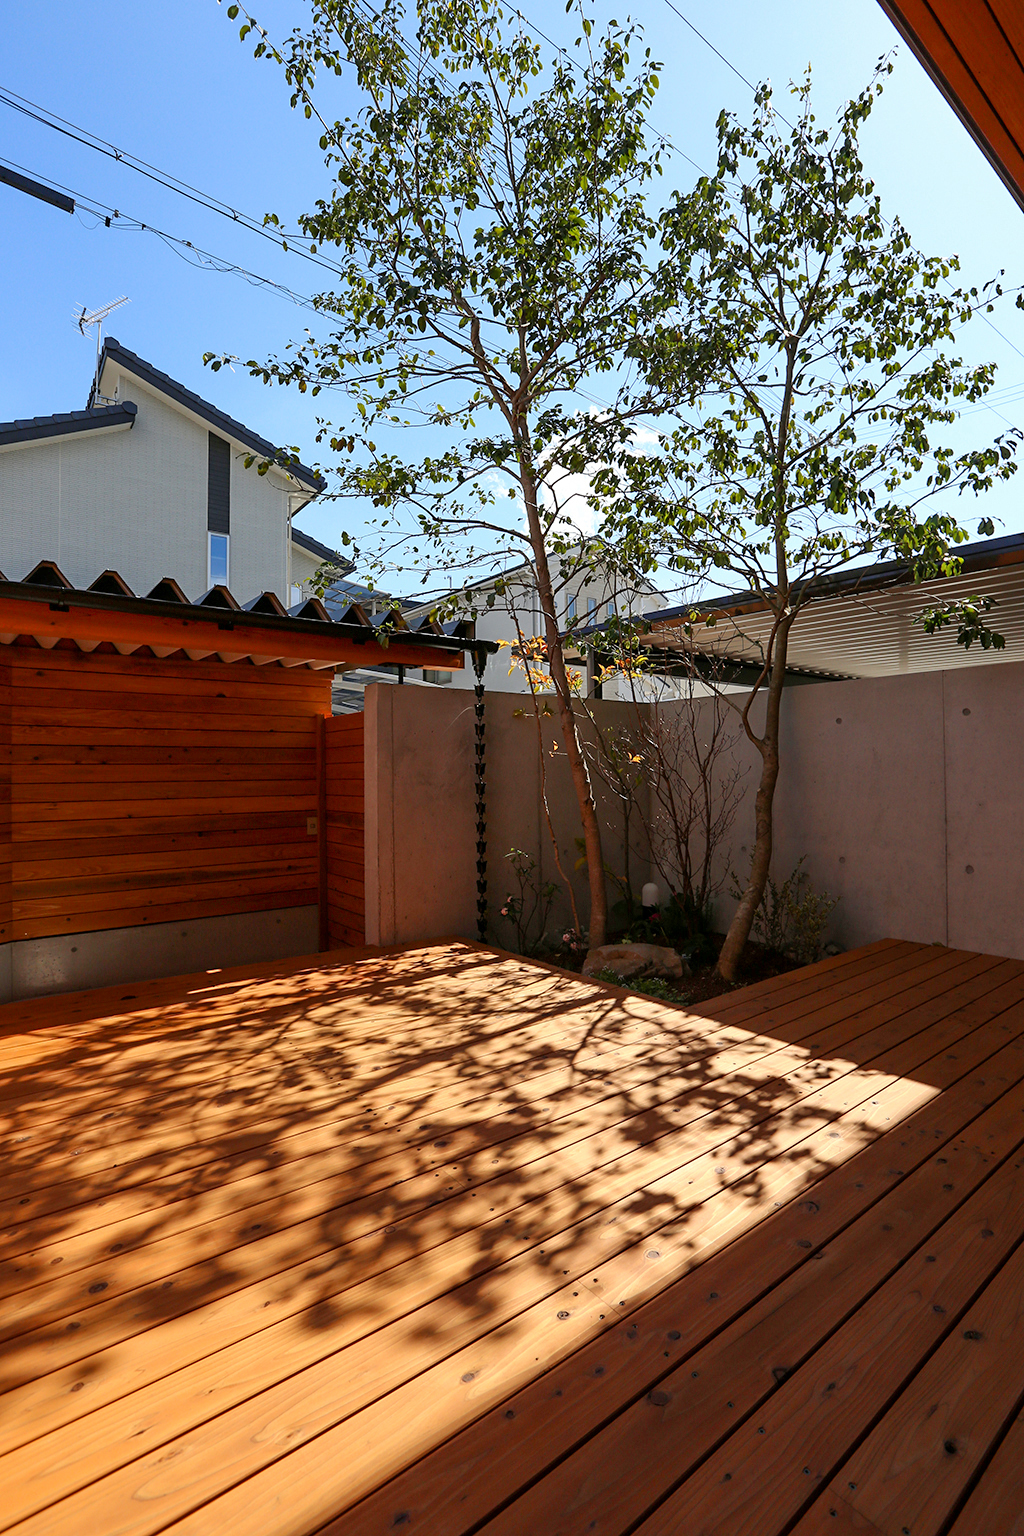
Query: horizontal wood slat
182, 911
142, 790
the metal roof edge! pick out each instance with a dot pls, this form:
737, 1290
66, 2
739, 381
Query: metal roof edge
985, 554
39, 429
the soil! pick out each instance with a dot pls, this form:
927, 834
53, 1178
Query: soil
756, 964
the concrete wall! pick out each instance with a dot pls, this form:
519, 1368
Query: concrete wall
905, 794
135, 500
420, 817
69, 962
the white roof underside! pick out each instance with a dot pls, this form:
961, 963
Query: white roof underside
873, 634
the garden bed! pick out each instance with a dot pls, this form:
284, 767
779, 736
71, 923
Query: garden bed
756, 964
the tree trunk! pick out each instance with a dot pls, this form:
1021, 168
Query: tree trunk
567, 718
760, 864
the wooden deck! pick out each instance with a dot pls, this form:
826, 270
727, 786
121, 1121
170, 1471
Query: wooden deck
441, 1241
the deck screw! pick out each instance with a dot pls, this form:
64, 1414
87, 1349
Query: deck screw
563, 1315
674, 1333
972, 1333
949, 1446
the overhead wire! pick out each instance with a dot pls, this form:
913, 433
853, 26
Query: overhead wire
113, 218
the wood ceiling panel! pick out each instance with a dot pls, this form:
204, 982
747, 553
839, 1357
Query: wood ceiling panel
974, 51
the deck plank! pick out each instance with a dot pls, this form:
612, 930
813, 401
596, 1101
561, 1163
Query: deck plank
781, 1457
549, 1137
897, 995
610, 1483
394, 1202
922, 1454
380, 1361
995, 1504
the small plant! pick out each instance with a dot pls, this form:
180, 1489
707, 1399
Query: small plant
791, 918
575, 942
650, 986
529, 907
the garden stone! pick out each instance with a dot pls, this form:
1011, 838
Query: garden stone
636, 960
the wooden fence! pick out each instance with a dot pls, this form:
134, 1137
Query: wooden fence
143, 790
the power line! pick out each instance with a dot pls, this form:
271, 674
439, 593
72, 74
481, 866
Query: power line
717, 52
165, 179
113, 218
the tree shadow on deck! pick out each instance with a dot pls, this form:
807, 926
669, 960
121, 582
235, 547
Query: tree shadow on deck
393, 1156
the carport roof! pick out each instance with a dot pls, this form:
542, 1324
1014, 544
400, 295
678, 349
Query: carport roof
863, 623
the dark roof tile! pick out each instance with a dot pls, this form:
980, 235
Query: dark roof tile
41, 428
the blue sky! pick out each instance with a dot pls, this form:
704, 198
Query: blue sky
172, 85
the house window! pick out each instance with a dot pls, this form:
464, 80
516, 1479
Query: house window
570, 608
591, 607
218, 571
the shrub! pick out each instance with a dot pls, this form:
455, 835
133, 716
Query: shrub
791, 918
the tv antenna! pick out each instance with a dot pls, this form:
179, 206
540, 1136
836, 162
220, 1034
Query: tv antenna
84, 319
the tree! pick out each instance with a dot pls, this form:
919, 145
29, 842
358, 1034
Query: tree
802, 336
493, 238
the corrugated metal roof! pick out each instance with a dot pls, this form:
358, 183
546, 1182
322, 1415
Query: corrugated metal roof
47, 607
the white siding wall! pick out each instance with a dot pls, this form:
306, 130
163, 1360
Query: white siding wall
135, 500
304, 567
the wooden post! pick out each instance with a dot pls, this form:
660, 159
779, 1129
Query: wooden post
321, 830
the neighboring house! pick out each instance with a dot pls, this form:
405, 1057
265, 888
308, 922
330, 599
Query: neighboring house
150, 480
584, 600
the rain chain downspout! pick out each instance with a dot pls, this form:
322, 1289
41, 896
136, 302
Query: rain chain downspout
479, 663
